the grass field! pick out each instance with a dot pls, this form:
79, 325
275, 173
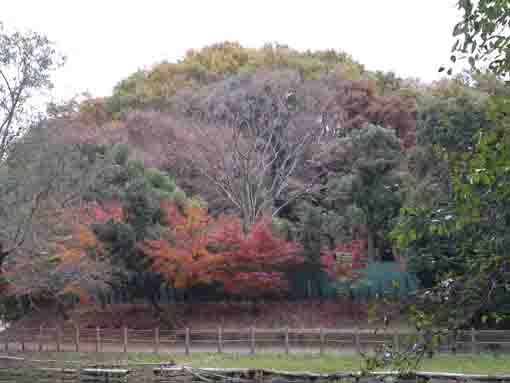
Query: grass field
460, 363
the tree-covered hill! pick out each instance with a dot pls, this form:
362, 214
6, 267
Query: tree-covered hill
236, 173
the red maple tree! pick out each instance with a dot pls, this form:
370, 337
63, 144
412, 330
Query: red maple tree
201, 249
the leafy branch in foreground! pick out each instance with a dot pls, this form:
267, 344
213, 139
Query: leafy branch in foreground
482, 35
468, 233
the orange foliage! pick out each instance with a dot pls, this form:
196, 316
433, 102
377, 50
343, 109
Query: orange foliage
83, 295
204, 250
74, 248
68, 260
71, 252
185, 258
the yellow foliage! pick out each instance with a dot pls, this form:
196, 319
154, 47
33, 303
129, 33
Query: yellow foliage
180, 280
69, 256
86, 237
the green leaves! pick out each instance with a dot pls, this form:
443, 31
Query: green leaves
372, 189
465, 241
483, 33
120, 154
222, 61
471, 61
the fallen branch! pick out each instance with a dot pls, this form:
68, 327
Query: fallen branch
225, 372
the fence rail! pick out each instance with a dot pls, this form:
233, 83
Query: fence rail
249, 340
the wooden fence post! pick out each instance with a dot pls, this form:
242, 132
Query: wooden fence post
252, 340
396, 341
187, 340
286, 339
98, 339
22, 339
57, 336
125, 338
474, 347
156, 340
220, 340
77, 338
440, 341
41, 330
357, 306
322, 340
454, 341
357, 341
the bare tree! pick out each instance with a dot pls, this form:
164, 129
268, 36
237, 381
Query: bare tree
26, 62
250, 140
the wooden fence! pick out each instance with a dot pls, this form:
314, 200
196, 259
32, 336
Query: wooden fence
249, 340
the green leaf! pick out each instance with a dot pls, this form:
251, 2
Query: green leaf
458, 29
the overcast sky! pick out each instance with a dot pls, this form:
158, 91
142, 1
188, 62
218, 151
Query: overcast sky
106, 40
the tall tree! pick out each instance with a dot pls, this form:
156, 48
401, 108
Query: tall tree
26, 63
450, 117
468, 234
472, 286
369, 190
250, 142
139, 190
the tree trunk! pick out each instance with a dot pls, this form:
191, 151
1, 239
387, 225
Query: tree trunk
247, 220
189, 301
377, 249
154, 301
371, 245
60, 311
3, 255
255, 307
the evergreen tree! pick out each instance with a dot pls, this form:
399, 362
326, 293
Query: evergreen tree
369, 192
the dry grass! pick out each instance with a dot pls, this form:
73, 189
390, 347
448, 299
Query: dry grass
460, 363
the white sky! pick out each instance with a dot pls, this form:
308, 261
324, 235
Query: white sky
106, 40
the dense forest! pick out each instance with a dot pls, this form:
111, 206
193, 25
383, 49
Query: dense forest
239, 173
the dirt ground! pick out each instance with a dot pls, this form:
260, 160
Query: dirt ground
268, 314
